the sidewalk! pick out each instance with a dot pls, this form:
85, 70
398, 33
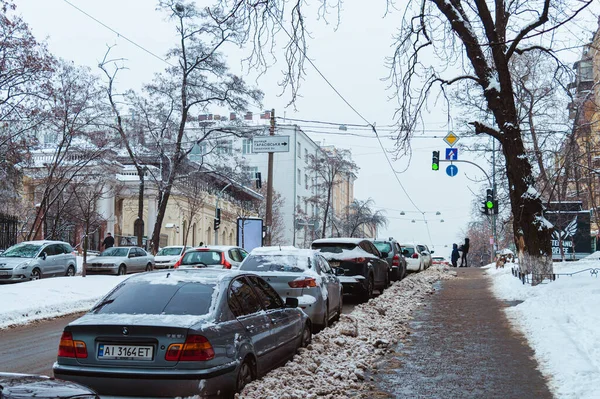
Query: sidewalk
462, 346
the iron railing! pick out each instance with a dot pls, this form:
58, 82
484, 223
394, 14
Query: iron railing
8, 231
544, 278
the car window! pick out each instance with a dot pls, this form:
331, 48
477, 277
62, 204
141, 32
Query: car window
421, 248
383, 246
235, 255
115, 251
243, 253
324, 265
410, 250
174, 251
276, 263
365, 247
206, 257
242, 299
147, 297
269, 297
335, 248
140, 252
23, 250
53, 249
67, 248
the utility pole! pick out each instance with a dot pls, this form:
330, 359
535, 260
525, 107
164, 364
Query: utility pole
494, 231
269, 210
218, 213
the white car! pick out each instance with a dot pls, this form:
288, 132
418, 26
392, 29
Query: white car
167, 256
418, 256
120, 261
213, 256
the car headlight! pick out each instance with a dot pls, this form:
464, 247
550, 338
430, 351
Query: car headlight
24, 265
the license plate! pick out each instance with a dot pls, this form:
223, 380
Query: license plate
334, 264
125, 352
3, 273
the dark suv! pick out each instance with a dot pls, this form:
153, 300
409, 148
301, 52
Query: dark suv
359, 265
392, 251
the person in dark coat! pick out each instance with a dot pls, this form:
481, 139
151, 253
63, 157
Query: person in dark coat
465, 251
109, 241
455, 255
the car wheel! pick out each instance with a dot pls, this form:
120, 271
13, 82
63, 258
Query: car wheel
149, 267
340, 308
368, 291
122, 270
387, 281
245, 375
325, 323
70, 271
306, 336
36, 274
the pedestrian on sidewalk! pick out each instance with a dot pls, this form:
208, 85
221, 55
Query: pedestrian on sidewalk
109, 241
465, 251
455, 255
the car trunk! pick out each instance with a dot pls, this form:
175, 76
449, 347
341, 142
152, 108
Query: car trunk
280, 282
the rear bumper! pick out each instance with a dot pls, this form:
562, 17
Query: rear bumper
149, 382
353, 284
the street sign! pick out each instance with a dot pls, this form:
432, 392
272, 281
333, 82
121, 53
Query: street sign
262, 144
451, 154
452, 170
451, 139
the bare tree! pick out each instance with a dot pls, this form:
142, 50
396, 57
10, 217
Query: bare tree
191, 194
360, 214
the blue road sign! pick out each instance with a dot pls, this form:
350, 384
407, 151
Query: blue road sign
451, 154
452, 170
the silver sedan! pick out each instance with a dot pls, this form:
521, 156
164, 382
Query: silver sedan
120, 261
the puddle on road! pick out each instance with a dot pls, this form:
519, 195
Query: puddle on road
512, 303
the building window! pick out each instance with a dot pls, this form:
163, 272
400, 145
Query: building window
312, 209
247, 146
306, 155
306, 182
299, 177
305, 207
298, 202
299, 150
250, 172
225, 147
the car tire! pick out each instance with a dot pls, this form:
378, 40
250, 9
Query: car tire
325, 323
70, 271
122, 270
340, 308
246, 374
306, 338
387, 281
149, 267
36, 274
368, 291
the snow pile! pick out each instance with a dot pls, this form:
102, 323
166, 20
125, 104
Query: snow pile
562, 324
338, 358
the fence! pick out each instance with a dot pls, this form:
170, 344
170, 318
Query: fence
527, 278
8, 231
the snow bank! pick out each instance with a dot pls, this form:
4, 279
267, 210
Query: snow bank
562, 324
338, 358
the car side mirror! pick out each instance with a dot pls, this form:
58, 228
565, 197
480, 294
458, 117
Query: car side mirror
43, 255
131, 256
385, 254
431, 252
291, 302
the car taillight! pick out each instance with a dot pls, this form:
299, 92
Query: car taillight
304, 283
357, 260
70, 348
415, 256
178, 263
224, 262
396, 260
195, 348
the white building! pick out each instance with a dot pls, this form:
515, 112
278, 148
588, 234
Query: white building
293, 180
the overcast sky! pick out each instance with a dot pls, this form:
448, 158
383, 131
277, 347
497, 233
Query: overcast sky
353, 60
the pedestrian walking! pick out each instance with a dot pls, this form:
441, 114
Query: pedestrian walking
109, 241
455, 255
465, 251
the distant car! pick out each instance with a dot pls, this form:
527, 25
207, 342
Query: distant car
427, 254
213, 256
360, 266
168, 256
180, 333
417, 256
392, 251
440, 260
32, 260
27, 386
120, 261
303, 274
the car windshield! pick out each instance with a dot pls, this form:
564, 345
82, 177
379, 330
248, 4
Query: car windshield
175, 251
148, 297
197, 257
276, 263
334, 248
22, 250
410, 250
383, 246
438, 258
115, 251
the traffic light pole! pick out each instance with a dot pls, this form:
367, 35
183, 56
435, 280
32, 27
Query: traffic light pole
217, 213
472, 163
269, 205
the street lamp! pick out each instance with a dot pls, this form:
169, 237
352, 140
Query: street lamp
413, 221
402, 213
438, 213
442, 221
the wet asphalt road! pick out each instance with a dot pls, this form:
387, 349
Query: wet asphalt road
462, 346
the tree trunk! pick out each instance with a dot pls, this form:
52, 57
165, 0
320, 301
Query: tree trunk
326, 212
162, 208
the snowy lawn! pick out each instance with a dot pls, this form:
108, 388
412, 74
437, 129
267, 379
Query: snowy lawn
561, 321
335, 364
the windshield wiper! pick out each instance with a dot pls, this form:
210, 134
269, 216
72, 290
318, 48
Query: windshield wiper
101, 304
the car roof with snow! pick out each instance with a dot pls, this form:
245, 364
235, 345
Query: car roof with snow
339, 240
215, 247
283, 250
173, 276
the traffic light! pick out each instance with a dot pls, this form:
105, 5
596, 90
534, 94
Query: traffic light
258, 178
435, 162
217, 219
490, 205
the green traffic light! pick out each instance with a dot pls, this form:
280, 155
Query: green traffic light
435, 166
489, 204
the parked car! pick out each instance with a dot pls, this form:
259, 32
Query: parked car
440, 260
391, 250
417, 256
168, 256
181, 333
120, 261
32, 260
213, 256
301, 274
360, 266
27, 386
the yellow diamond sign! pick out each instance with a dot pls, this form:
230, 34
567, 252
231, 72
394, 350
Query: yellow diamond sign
451, 139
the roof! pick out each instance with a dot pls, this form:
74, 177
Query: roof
174, 276
283, 250
42, 242
217, 247
339, 240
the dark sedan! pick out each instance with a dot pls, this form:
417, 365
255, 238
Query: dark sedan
361, 268
27, 386
181, 333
